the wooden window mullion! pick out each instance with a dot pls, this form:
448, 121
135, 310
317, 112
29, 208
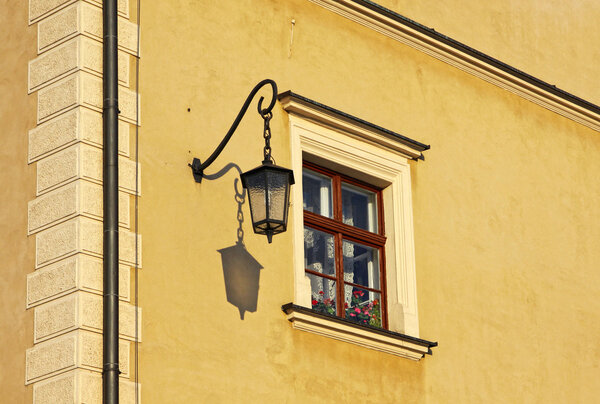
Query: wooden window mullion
339, 271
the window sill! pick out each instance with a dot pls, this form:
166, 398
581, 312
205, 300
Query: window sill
394, 343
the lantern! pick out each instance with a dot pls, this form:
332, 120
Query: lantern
269, 196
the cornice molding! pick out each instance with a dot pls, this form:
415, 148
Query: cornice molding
454, 53
338, 120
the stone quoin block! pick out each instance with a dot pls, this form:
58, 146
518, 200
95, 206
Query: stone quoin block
73, 199
82, 235
78, 125
78, 272
77, 349
39, 9
81, 161
79, 53
80, 387
82, 89
83, 19
81, 310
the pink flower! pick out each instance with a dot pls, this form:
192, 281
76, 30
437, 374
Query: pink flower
356, 309
353, 315
361, 292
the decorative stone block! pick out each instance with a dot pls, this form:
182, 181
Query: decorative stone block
39, 9
82, 89
79, 53
81, 235
78, 125
79, 272
80, 387
73, 199
78, 349
81, 161
81, 310
83, 19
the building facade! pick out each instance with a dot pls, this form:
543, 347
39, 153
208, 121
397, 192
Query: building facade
442, 241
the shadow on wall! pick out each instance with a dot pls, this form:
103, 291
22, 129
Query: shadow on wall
241, 271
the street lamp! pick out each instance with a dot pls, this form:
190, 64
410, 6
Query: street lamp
268, 185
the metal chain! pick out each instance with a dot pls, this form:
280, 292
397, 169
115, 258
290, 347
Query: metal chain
240, 198
267, 135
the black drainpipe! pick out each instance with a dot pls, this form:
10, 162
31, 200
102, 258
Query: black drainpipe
110, 119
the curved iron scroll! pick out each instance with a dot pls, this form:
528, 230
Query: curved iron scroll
198, 167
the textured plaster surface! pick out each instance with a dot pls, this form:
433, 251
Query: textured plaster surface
80, 124
43, 8
80, 53
81, 89
79, 272
76, 349
75, 198
60, 389
79, 310
17, 185
81, 235
78, 387
81, 161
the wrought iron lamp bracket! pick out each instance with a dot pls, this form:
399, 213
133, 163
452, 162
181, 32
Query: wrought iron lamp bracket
198, 167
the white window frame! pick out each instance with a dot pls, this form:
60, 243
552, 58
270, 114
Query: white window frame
336, 142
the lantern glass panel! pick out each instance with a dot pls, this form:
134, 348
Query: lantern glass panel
277, 191
255, 183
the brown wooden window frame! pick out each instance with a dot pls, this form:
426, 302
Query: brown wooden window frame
342, 231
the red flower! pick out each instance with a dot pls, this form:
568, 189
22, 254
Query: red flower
314, 302
321, 292
375, 302
345, 305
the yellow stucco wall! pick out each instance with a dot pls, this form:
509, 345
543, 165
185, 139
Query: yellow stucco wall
504, 213
17, 187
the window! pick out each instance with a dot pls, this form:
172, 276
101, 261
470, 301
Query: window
351, 219
344, 246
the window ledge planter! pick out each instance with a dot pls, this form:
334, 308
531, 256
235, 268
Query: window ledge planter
394, 343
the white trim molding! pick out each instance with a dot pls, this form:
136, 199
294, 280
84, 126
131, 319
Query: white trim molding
467, 59
384, 164
378, 340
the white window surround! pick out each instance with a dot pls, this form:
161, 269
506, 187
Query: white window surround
345, 144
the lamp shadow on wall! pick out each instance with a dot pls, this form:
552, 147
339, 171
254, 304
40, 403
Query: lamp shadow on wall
241, 271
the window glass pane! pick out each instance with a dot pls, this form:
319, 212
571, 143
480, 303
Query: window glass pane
361, 264
362, 306
319, 251
322, 294
316, 193
359, 207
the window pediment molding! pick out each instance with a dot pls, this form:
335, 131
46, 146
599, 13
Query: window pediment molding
350, 125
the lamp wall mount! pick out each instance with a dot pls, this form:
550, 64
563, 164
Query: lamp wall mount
198, 167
